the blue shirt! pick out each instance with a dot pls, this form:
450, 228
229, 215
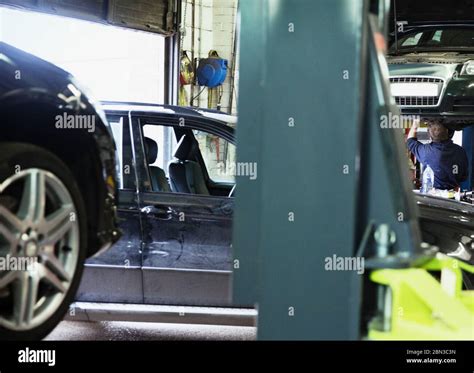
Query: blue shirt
447, 160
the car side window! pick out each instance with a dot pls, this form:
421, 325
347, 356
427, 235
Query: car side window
219, 156
165, 140
121, 134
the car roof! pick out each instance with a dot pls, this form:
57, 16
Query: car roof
149, 108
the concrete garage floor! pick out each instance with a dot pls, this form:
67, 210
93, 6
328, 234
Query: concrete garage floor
140, 331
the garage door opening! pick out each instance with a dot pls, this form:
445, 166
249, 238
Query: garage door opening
116, 64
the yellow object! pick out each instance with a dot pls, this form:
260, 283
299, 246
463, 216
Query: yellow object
183, 97
423, 308
187, 69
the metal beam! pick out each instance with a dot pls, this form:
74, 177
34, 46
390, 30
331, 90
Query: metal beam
332, 181
299, 108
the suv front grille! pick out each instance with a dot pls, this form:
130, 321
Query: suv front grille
418, 101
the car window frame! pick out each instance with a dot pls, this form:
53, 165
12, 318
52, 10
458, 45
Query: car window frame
175, 121
126, 136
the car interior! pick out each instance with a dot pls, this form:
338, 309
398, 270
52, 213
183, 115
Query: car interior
183, 169
186, 176
159, 182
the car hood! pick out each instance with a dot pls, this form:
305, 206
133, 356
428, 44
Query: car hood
439, 58
452, 208
35, 72
449, 223
420, 67
432, 11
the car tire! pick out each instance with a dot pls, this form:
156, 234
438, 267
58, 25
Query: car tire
55, 240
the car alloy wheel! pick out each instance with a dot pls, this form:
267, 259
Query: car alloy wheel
39, 244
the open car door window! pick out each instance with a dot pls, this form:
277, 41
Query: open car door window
219, 159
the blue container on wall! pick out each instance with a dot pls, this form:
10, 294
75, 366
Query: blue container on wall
211, 72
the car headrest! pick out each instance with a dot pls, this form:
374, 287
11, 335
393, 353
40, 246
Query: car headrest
151, 149
184, 148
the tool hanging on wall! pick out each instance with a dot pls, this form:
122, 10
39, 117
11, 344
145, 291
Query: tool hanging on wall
211, 73
186, 77
187, 69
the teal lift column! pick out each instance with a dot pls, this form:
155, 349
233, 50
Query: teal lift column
310, 92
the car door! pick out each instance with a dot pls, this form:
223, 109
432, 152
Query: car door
115, 275
186, 258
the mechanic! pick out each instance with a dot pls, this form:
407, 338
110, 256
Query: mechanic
447, 160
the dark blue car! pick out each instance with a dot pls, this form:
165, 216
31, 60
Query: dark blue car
57, 191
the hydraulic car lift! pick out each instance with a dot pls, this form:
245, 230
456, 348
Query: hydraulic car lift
314, 85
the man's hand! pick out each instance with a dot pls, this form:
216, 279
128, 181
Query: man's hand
416, 123
413, 129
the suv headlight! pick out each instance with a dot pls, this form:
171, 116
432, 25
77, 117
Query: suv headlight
468, 68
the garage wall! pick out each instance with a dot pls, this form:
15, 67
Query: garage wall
214, 30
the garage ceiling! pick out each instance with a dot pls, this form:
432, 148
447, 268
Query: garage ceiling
433, 10
155, 16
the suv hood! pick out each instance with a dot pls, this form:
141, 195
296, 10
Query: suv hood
439, 70
35, 71
442, 58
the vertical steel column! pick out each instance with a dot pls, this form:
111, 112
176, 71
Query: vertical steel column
298, 119
332, 181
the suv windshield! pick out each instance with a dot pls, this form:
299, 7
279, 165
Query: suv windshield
437, 39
